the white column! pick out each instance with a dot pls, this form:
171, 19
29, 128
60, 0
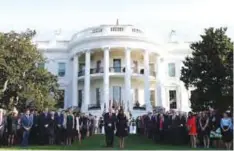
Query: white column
128, 100
146, 81
87, 82
158, 86
156, 73
75, 81
106, 78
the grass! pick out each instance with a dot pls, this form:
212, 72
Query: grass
132, 142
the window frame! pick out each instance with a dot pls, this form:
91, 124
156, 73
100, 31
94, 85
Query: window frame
61, 71
170, 65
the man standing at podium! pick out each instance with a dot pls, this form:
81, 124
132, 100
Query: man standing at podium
110, 125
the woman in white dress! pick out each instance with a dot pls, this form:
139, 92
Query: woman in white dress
78, 128
133, 123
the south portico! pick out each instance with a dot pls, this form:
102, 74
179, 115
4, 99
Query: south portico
107, 74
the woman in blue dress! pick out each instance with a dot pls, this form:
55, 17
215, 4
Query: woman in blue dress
227, 130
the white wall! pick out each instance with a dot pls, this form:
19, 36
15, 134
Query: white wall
164, 81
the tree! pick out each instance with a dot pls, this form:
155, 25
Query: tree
22, 83
210, 71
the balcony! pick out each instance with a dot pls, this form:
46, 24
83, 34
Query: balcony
139, 107
96, 70
136, 71
81, 73
152, 73
94, 106
117, 69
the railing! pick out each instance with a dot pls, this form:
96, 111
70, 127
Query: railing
96, 70
117, 69
153, 73
139, 107
137, 71
94, 106
81, 73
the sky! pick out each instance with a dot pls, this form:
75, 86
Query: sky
156, 17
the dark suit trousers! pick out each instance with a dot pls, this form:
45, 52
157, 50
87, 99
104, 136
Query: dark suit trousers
109, 137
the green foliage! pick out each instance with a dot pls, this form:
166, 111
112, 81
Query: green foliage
22, 83
210, 71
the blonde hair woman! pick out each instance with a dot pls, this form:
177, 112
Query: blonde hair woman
12, 124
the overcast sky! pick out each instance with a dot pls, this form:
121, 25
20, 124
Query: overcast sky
156, 17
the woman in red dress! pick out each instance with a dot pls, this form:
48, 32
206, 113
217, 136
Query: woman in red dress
192, 128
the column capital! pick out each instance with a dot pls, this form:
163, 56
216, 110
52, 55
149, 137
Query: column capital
146, 51
128, 49
106, 48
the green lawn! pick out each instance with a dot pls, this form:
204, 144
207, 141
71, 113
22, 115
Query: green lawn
133, 142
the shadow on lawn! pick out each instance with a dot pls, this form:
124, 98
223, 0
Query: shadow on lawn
97, 142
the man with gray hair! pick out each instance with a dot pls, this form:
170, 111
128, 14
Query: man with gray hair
110, 126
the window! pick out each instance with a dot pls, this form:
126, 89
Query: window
41, 65
98, 96
62, 69
152, 69
152, 98
98, 66
135, 66
136, 30
117, 29
98, 30
117, 93
60, 103
81, 69
80, 97
136, 96
117, 65
172, 99
171, 69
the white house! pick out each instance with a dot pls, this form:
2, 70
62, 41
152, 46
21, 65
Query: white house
117, 63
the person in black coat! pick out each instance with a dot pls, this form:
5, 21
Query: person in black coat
122, 127
33, 138
182, 129
59, 118
43, 127
84, 124
52, 128
110, 125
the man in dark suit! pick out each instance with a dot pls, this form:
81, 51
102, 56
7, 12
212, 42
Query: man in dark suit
26, 122
43, 126
84, 124
110, 125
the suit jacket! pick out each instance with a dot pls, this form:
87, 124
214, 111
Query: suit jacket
110, 121
59, 119
26, 121
44, 120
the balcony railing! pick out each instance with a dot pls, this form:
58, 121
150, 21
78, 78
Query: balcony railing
137, 71
94, 106
81, 73
139, 107
153, 73
96, 70
117, 69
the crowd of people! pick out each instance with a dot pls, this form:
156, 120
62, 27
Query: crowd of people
45, 128
205, 129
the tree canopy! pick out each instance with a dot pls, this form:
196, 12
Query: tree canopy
209, 70
22, 83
